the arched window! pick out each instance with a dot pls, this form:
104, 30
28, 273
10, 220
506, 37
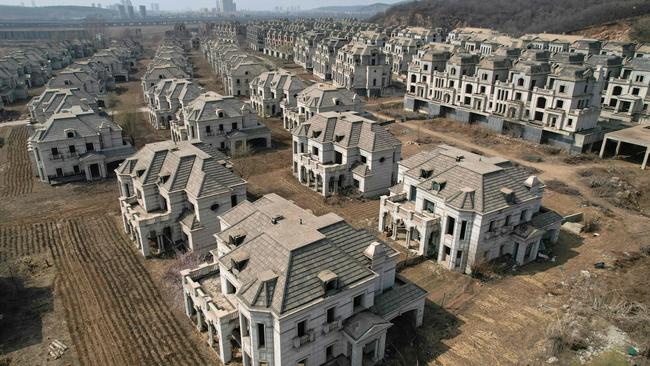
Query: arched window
541, 102
520, 82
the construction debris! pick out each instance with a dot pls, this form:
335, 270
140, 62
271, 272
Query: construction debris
57, 349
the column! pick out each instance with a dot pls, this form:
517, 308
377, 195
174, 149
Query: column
394, 227
144, 244
645, 159
210, 335
602, 147
356, 358
618, 147
225, 348
521, 251
325, 186
381, 346
408, 236
188, 304
199, 320
161, 243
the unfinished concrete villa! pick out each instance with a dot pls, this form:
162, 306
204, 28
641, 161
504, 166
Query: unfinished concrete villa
286, 287
333, 151
171, 194
76, 145
463, 209
224, 122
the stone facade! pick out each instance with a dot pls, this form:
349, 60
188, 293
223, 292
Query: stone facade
171, 194
464, 209
340, 312
335, 151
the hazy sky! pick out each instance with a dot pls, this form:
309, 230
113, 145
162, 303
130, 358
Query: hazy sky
195, 4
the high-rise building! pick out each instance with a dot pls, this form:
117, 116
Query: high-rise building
122, 11
226, 6
143, 11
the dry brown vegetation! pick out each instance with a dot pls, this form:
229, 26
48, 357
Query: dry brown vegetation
513, 16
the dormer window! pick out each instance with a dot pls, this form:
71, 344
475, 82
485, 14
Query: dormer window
329, 281
508, 195
438, 184
315, 134
70, 134
239, 260
339, 138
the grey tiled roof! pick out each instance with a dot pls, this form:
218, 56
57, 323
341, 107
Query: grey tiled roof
196, 168
469, 181
349, 130
323, 95
205, 106
83, 123
546, 219
286, 257
397, 297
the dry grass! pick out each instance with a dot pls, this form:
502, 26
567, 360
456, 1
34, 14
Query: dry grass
561, 187
618, 296
616, 186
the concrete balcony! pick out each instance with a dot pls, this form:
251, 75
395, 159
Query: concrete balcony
300, 341
309, 162
332, 326
400, 207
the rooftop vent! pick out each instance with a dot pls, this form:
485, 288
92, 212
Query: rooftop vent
459, 158
275, 219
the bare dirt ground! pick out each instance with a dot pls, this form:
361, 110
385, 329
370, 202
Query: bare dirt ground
203, 73
90, 288
67, 272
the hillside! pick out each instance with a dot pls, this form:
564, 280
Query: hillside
8, 12
512, 16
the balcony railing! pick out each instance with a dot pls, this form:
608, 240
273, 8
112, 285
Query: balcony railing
300, 341
332, 326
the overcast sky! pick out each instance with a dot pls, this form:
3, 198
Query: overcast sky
196, 4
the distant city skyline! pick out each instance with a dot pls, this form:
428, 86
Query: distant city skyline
168, 5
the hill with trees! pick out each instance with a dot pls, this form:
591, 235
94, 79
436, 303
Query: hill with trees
512, 16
